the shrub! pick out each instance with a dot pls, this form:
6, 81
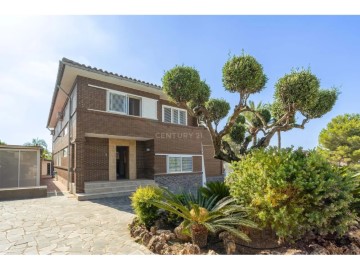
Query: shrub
225, 215
146, 212
218, 189
293, 192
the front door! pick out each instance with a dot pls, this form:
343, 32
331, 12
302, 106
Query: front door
122, 162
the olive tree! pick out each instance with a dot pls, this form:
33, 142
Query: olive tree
297, 99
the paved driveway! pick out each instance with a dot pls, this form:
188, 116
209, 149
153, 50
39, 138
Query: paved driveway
61, 225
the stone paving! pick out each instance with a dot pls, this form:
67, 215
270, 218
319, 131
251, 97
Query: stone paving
62, 225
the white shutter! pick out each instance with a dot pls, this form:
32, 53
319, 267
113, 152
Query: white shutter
174, 164
149, 108
175, 116
187, 164
167, 115
183, 118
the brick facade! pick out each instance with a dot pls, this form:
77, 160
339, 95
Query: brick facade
96, 133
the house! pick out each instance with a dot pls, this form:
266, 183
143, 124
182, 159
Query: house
109, 129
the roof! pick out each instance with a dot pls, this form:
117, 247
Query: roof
19, 147
66, 64
68, 61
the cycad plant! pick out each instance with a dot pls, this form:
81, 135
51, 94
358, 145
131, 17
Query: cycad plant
218, 189
225, 215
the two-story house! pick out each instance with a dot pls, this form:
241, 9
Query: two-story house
109, 128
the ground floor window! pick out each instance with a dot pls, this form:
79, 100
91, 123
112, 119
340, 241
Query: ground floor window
178, 164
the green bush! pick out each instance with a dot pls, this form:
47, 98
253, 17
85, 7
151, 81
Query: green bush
218, 189
293, 192
146, 212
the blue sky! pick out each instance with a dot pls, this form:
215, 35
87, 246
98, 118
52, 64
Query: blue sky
144, 47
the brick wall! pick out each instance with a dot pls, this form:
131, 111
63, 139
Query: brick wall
97, 159
145, 159
165, 137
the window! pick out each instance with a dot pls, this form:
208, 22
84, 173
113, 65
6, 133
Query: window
134, 106
178, 164
174, 115
117, 103
122, 103
66, 130
65, 152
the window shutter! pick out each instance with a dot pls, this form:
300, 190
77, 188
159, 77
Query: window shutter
174, 164
175, 116
182, 117
187, 164
167, 115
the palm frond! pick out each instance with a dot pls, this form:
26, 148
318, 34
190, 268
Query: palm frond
234, 232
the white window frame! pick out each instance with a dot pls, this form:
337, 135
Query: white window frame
127, 96
181, 157
65, 152
172, 113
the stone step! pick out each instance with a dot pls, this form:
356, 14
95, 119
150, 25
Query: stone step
111, 189
135, 183
84, 196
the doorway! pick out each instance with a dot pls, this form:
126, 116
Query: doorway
122, 162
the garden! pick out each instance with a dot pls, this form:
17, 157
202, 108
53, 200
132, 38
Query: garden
275, 200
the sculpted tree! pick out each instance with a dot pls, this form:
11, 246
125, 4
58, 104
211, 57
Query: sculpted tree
297, 94
340, 140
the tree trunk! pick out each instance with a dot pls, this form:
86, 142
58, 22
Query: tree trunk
199, 235
279, 139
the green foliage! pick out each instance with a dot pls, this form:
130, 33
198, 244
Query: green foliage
140, 202
2, 143
217, 109
243, 74
300, 90
188, 198
293, 192
356, 204
182, 84
37, 142
225, 215
215, 189
340, 140
201, 96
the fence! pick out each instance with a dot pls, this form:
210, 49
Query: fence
19, 166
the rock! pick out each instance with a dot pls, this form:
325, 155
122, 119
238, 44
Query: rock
180, 235
146, 239
211, 252
189, 249
318, 250
229, 242
354, 237
153, 230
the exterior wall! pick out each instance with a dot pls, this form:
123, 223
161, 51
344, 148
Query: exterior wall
113, 143
90, 117
180, 182
214, 179
145, 159
96, 159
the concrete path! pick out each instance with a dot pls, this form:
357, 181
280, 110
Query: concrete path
61, 225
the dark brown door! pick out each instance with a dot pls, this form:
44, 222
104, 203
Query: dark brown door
122, 162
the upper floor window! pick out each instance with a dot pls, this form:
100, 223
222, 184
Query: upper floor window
124, 104
174, 115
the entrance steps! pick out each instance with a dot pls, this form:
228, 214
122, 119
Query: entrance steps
108, 189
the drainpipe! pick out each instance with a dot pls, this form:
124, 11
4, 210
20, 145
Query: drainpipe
69, 187
203, 165
52, 156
